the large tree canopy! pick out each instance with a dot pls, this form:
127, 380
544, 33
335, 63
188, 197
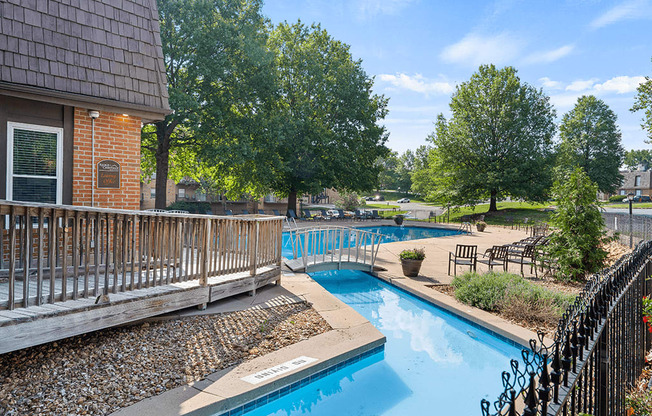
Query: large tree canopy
326, 132
638, 158
590, 139
497, 143
218, 72
643, 102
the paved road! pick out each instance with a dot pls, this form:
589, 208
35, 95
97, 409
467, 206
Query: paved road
640, 211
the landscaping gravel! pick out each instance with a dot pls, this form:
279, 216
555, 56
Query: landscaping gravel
99, 373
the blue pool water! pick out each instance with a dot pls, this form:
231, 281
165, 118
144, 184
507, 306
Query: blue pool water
389, 233
433, 364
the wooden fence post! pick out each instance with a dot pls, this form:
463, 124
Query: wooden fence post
204, 253
254, 247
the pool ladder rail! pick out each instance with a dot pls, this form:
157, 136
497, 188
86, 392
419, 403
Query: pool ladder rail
333, 248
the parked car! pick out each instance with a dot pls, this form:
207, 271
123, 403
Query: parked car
368, 198
403, 200
333, 213
379, 198
640, 198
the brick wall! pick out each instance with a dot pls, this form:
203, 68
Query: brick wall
117, 137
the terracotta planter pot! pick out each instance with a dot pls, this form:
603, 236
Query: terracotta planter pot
411, 267
481, 227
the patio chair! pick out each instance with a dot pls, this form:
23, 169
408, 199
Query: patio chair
525, 257
465, 255
342, 216
307, 215
275, 211
261, 212
359, 215
228, 212
325, 216
291, 214
375, 215
495, 256
245, 212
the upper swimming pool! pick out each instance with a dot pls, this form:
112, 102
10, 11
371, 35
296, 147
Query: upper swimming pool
390, 234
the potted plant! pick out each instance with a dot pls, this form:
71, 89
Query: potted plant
399, 219
481, 225
411, 261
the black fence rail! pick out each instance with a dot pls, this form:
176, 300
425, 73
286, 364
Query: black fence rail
641, 227
598, 350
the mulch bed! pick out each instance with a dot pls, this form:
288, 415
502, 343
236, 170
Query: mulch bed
101, 372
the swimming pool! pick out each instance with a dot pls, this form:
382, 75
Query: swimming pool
389, 233
434, 363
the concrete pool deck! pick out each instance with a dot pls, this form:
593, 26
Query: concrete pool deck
351, 336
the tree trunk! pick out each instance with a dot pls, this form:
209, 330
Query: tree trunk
492, 203
162, 164
292, 201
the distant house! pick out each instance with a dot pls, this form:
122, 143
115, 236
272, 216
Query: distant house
638, 182
77, 80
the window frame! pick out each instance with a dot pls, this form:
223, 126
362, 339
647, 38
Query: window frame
11, 126
637, 180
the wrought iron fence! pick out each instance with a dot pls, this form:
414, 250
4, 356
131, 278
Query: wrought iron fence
598, 350
641, 227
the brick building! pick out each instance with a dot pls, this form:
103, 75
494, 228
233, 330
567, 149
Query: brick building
77, 81
637, 182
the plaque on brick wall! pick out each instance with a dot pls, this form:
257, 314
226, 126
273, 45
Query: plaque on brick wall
108, 174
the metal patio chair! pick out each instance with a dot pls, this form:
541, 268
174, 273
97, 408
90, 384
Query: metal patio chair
465, 255
495, 256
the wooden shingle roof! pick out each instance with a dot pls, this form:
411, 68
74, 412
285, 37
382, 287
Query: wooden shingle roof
99, 52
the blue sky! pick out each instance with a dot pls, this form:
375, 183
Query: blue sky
418, 50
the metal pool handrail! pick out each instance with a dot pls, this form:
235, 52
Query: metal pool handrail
315, 249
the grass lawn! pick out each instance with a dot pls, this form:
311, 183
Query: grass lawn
517, 211
635, 205
390, 214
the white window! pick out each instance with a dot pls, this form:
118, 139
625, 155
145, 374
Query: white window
622, 192
34, 163
638, 192
152, 193
182, 192
637, 181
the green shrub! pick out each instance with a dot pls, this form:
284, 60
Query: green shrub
412, 254
484, 291
191, 207
576, 245
616, 198
511, 294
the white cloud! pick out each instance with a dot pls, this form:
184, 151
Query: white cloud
417, 83
374, 7
550, 84
636, 9
475, 50
581, 84
620, 85
544, 57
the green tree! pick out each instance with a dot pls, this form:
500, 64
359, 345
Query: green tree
643, 102
497, 143
217, 70
387, 176
590, 139
327, 133
636, 158
404, 171
576, 245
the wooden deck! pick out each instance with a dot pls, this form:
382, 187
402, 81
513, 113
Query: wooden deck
65, 271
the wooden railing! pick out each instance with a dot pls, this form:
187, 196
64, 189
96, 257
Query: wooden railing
57, 253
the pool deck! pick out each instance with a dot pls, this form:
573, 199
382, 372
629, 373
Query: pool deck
351, 336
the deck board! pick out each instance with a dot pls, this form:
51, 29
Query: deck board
34, 325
